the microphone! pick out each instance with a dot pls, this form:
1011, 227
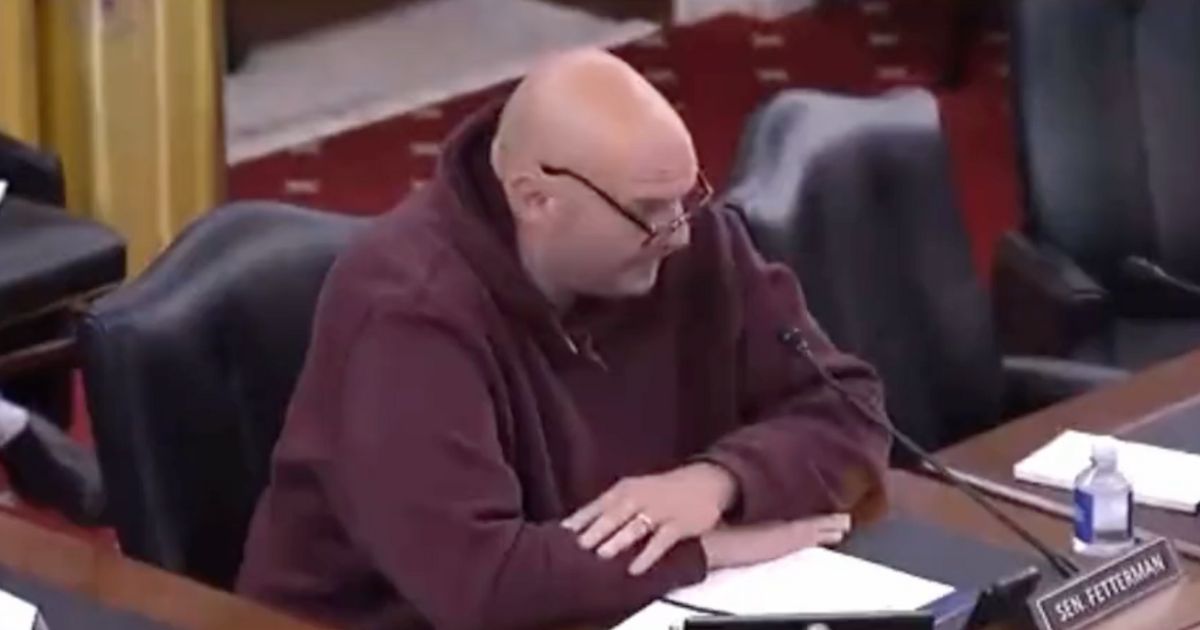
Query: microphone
794, 340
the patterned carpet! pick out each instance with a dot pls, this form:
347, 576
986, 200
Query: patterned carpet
396, 60
716, 72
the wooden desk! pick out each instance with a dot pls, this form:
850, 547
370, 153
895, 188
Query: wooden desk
105, 576
927, 500
1115, 409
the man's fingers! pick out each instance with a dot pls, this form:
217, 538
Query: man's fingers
838, 521
606, 525
824, 530
829, 537
584, 516
662, 541
739, 546
634, 530
832, 522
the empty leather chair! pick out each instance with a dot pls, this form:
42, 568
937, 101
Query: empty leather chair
51, 264
854, 194
1107, 96
189, 370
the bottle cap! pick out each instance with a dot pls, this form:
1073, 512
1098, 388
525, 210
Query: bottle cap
1104, 450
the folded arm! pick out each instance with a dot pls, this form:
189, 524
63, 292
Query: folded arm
427, 490
803, 448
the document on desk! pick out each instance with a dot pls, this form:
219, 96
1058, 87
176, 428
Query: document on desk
18, 614
1161, 477
815, 580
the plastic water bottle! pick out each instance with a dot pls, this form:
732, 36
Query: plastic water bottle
1103, 505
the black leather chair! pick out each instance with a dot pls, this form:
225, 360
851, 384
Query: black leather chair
51, 264
189, 370
855, 195
31, 173
1107, 96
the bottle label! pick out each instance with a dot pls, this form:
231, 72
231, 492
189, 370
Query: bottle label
1083, 517
1107, 516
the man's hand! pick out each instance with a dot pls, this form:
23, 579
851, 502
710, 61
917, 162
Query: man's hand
739, 546
667, 508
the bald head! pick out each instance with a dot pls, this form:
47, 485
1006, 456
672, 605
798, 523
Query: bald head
620, 144
591, 112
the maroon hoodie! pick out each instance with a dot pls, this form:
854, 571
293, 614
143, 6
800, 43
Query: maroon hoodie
447, 418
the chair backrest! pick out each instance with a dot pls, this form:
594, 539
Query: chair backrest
188, 372
31, 173
1107, 95
854, 194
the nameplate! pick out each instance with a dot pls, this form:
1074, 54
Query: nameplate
1109, 588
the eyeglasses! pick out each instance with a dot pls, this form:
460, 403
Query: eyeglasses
695, 199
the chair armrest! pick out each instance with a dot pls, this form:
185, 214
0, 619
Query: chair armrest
48, 468
1044, 303
1033, 382
1148, 290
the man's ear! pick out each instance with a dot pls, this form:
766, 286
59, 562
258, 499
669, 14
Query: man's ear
529, 200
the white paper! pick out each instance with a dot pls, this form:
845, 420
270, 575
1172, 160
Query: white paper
656, 616
16, 613
814, 580
1160, 477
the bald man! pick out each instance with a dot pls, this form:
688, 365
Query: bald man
550, 388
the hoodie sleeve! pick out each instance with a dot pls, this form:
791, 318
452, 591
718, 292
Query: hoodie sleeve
424, 488
802, 449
